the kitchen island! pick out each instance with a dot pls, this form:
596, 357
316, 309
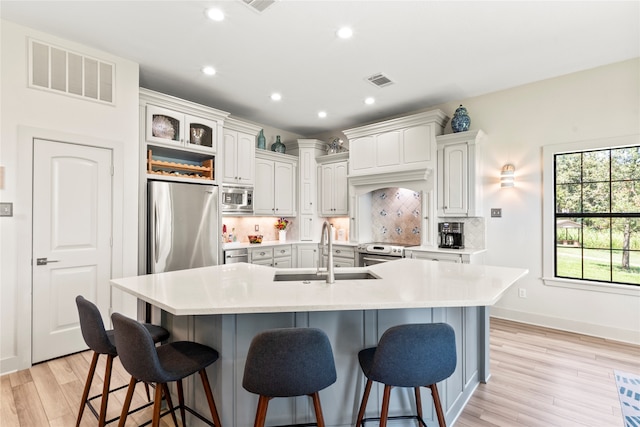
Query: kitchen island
225, 306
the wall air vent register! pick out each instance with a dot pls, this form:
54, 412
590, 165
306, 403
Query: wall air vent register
62, 71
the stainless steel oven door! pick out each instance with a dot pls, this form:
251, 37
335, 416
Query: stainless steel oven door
367, 260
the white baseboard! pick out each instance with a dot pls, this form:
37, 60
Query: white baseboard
630, 336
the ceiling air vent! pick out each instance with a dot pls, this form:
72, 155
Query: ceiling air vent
379, 80
258, 5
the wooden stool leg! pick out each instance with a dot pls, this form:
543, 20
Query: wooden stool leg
318, 408
438, 405
127, 402
167, 396
418, 401
87, 386
146, 388
261, 412
384, 414
212, 403
105, 391
157, 404
363, 404
181, 401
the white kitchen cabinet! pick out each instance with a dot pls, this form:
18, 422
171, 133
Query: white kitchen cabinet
397, 145
459, 174
282, 257
333, 186
179, 139
275, 256
175, 129
307, 227
307, 255
275, 184
343, 256
238, 154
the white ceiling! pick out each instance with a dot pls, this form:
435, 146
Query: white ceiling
434, 51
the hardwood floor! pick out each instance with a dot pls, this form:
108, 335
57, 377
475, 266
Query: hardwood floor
540, 377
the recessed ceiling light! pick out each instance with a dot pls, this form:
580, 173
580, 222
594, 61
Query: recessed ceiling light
276, 97
345, 33
370, 100
215, 14
322, 114
209, 71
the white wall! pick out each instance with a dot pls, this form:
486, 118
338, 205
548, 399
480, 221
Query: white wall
61, 115
600, 103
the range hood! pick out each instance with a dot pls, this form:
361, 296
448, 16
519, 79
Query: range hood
420, 180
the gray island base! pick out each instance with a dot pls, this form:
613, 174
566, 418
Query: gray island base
226, 306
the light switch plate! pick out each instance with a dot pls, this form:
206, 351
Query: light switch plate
6, 209
496, 212
256, 227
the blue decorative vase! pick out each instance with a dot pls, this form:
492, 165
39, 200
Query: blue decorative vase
460, 121
278, 146
262, 142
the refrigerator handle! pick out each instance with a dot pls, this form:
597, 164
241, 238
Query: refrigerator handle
155, 232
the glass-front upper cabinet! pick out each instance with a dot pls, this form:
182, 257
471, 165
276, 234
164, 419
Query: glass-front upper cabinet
170, 128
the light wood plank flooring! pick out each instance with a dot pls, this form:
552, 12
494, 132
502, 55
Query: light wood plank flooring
540, 377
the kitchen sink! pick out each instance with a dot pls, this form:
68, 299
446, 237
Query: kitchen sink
306, 277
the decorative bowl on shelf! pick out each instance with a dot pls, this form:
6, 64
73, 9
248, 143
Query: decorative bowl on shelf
255, 238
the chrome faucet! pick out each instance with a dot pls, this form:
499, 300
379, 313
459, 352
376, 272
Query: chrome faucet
327, 230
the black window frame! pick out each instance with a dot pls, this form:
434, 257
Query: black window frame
583, 215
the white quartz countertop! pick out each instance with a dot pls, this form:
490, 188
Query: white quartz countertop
249, 288
465, 251
267, 243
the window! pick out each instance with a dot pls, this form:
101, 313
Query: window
593, 225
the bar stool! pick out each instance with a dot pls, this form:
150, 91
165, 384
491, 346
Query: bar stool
102, 341
289, 362
413, 355
161, 365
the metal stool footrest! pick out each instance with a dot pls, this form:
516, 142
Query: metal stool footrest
95, 412
397, 417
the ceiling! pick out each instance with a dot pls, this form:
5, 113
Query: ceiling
433, 51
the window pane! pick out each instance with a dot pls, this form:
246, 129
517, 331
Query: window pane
626, 196
596, 233
625, 163
626, 233
568, 198
597, 265
569, 262
568, 168
595, 166
596, 198
626, 267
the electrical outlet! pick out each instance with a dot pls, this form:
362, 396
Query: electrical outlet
522, 293
6, 209
496, 212
256, 227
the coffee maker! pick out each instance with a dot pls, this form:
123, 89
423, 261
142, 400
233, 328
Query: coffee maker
451, 235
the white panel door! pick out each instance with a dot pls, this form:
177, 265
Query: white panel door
71, 239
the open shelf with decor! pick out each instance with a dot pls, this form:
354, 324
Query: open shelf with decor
163, 164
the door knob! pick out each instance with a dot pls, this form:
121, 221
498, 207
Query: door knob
44, 261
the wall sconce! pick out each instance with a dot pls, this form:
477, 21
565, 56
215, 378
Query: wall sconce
507, 176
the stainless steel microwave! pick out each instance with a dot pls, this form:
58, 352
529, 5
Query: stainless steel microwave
237, 199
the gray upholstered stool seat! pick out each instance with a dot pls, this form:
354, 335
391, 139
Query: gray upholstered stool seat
289, 362
102, 341
161, 365
413, 355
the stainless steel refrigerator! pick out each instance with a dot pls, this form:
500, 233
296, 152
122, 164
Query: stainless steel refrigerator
182, 226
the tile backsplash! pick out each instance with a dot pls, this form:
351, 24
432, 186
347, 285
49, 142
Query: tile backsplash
474, 231
396, 214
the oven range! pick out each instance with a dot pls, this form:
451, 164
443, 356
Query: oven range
378, 252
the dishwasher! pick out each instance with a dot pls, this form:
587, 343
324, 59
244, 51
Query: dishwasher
232, 256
